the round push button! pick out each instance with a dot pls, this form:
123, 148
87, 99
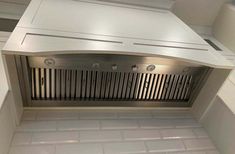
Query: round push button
151, 68
134, 68
114, 67
49, 62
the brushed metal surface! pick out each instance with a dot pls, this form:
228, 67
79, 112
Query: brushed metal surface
72, 78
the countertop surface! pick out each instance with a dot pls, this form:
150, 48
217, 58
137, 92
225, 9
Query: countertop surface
98, 27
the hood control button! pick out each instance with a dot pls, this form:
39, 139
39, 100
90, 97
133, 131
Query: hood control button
151, 68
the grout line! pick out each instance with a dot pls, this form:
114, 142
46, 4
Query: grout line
122, 135
55, 149
11, 142
146, 147
185, 147
100, 125
102, 145
161, 135
79, 115
56, 126
193, 130
138, 124
152, 115
36, 115
31, 138
118, 115
79, 136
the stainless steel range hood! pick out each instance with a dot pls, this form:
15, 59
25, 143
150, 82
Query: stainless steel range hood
89, 53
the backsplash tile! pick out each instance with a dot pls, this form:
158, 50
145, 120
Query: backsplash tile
70, 125
33, 126
41, 149
55, 137
98, 115
165, 145
198, 144
22, 138
119, 124
200, 132
57, 115
156, 123
100, 136
110, 132
79, 149
124, 147
141, 135
177, 133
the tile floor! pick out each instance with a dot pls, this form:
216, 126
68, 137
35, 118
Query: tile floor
110, 132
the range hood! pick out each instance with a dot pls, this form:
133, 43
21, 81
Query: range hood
91, 53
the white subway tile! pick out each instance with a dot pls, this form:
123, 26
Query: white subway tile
21, 138
212, 152
45, 149
19, 150
198, 144
48, 149
124, 147
78, 125
141, 134
54, 137
165, 145
29, 115
98, 115
186, 123
172, 114
79, 149
119, 124
57, 115
156, 123
37, 126
188, 152
177, 133
62, 132
200, 132
100, 136
134, 115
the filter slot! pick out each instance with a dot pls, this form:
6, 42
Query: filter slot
96, 85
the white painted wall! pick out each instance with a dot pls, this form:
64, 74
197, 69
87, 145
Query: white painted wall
226, 93
8, 117
193, 12
12, 9
7, 125
3, 80
198, 12
5, 86
224, 27
220, 125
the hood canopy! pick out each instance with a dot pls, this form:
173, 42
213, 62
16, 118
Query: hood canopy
50, 27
